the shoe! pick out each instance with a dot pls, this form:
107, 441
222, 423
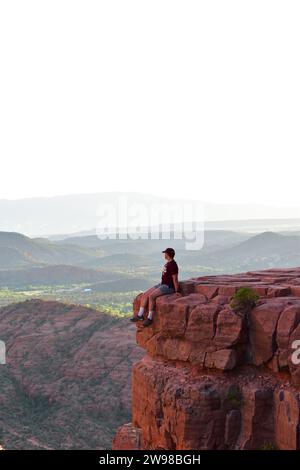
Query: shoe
136, 318
147, 322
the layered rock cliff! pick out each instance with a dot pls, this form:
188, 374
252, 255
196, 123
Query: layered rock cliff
212, 379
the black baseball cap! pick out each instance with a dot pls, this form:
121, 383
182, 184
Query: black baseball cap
169, 251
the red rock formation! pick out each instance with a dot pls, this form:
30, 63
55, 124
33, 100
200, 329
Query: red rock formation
212, 379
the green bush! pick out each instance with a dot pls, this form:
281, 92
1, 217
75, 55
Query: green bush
244, 300
233, 398
269, 446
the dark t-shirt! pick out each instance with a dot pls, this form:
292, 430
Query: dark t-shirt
170, 268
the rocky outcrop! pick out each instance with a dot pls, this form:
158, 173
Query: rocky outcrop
212, 379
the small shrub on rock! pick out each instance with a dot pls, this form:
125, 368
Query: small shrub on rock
244, 300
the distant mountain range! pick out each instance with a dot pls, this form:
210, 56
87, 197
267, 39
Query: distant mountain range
17, 250
265, 250
77, 213
109, 265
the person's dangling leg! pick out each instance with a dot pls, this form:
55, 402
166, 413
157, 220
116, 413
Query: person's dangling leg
152, 303
143, 304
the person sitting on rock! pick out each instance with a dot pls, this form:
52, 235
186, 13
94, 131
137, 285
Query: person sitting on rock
168, 285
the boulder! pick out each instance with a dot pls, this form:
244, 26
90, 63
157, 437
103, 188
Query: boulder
223, 359
287, 420
209, 290
287, 323
262, 328
127, 437
201, 324
230, 329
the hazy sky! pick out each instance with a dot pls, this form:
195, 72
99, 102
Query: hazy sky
183, 98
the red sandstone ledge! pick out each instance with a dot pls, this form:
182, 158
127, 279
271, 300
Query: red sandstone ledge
214, 380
